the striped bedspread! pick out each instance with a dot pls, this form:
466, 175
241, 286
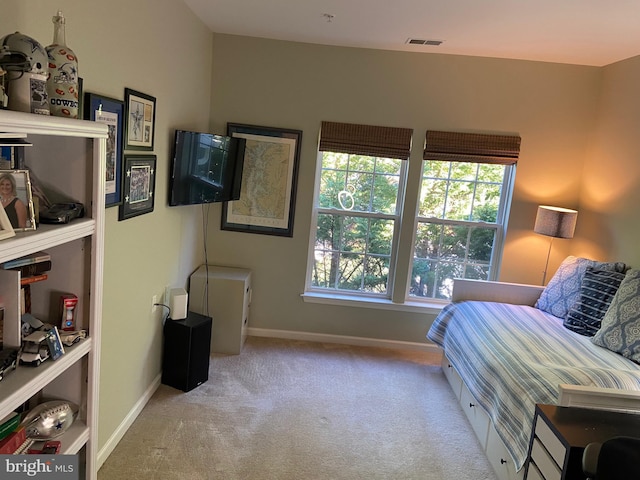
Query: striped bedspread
514, 356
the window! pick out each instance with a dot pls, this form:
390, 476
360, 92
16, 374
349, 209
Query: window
460, 223
460, 219
359, 192
357, 218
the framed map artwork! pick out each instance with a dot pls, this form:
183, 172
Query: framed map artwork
269, 181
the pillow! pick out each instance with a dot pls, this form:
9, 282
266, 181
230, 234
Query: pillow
563, 289
596, 293
620, 330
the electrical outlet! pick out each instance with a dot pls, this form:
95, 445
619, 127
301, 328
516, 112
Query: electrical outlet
154, 300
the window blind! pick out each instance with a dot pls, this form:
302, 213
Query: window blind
472, 147
385, 142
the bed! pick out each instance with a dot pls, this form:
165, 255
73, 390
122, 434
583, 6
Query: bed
507, 355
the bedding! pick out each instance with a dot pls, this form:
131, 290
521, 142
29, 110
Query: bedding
511, 357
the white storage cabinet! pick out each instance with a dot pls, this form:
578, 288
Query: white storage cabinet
68, 157
223, 293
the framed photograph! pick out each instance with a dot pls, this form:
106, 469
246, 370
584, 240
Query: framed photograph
17, 199
269, 181
110, 112
55, 343
6, 229
138, 185
140, 114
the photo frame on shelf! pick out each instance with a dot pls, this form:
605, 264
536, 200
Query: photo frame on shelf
6, 229
110, 112
269, 179
140, 118
138, 186
17, 199
56, 349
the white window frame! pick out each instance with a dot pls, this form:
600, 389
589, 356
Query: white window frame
500, 227
397, 217
402, 301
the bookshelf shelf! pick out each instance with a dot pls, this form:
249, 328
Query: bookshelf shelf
27, 381
68, 157
45, 237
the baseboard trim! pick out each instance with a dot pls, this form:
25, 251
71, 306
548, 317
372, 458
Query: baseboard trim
113, 441
342, 339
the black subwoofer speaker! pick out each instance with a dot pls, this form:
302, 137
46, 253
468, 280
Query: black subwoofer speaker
187, 345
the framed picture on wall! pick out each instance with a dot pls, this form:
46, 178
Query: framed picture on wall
138, 186
269, 181
140, 118
110, 112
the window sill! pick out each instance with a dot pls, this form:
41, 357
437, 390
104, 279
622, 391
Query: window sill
433, 306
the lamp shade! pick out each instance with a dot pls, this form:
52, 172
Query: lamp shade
555, 221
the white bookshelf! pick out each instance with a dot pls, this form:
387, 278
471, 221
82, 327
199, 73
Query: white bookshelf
67, 156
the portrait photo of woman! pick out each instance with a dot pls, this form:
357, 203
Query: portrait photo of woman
15, 197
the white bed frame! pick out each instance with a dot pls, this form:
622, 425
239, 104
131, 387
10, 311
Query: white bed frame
569, 395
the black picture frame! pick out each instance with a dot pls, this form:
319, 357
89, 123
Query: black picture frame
138, 186
140, 119
278, 171
110, 112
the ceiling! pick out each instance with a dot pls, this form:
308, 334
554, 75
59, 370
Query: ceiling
583, 32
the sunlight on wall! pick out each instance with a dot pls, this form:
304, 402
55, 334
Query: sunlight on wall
531, 250
610, 179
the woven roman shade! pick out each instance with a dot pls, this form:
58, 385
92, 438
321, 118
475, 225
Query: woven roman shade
472, 147
385, 142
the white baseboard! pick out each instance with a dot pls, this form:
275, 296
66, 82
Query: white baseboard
342, 339
113, 441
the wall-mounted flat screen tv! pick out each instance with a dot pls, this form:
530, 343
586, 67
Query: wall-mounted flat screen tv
205, 168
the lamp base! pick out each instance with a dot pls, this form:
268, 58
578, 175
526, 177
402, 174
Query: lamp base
546, 265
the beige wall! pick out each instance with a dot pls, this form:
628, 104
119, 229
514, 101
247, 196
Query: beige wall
293, 85
610, 193
160, 48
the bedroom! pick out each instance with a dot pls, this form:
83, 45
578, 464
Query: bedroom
578, 125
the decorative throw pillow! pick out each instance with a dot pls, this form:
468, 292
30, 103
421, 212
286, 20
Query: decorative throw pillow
563, 290
596, 293
620, 330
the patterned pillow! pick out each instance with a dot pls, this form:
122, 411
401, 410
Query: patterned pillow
596, 293
620, 330
563, 290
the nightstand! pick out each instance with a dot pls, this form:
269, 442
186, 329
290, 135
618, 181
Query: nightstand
560, 435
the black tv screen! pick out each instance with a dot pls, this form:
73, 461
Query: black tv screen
205, 168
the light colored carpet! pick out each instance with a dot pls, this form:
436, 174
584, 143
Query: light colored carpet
292, 410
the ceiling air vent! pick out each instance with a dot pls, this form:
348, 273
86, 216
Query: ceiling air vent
417, 41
